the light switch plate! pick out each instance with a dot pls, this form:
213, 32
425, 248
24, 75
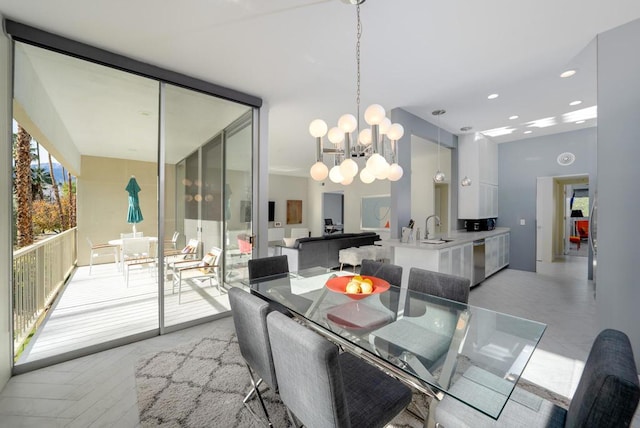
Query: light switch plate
522, 222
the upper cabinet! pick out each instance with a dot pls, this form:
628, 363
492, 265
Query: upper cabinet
478, 160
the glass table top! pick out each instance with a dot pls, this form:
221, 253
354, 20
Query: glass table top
429, 341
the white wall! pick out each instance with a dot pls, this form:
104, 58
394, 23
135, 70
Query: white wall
352, 197
283, 188
424, 164
5, 213
618, 269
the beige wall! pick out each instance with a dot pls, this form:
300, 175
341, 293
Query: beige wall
283, 188
103, 200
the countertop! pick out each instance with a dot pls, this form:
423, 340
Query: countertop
458, 237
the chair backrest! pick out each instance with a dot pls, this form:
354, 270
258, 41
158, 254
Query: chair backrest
191, 247
309, 373
328, 222
244, 246
608, 391
582, 226
267, 266
439, 284
250, 319
387, 271
211, 261
136, 247
175, 236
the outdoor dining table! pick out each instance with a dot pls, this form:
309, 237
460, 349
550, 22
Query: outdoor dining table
153, 240
427, 342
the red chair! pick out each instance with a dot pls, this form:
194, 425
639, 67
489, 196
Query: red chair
582, 227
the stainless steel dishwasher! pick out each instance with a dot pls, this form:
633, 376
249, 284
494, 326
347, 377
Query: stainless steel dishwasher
478, 262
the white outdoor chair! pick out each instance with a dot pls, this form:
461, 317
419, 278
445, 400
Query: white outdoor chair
208, 268
134, 249
101, 250
173, 242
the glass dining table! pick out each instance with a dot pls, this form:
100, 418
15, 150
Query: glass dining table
427, 342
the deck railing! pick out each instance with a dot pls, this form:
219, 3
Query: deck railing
39, 271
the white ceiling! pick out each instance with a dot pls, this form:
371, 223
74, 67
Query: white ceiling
299, 55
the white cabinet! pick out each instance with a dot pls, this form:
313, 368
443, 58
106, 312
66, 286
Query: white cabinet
496, 253
457, 260
478, 160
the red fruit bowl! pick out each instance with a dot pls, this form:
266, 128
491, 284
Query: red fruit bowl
339, 285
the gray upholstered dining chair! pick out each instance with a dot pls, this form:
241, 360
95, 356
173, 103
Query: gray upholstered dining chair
439, 284
387, 271
322, 387
607, 395
275, 266
390, 273
250, 320
267, 266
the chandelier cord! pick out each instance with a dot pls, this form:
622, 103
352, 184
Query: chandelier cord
358, 35
439, 143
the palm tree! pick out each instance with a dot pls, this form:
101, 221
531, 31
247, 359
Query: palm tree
56, 192
23, 187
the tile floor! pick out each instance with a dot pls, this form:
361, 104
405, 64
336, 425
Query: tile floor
99, 390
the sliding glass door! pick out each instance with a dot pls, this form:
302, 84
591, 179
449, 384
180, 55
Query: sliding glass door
181, 156
199, 202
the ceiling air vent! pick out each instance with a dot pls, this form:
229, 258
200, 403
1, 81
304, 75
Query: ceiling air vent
566, 158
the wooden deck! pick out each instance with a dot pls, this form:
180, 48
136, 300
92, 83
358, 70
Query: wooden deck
100, 307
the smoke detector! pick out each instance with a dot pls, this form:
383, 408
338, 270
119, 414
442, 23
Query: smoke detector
566, 158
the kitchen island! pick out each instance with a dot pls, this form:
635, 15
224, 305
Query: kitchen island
454, 254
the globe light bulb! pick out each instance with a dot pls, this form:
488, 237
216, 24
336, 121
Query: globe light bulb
348, 168
366, 176
319, 171
347, 123
318, 128
374, 114
395, 172
439, 177
377, 164
384, 126
347, 181
336, 136
365, 136
335, 175
395, 132
383, 172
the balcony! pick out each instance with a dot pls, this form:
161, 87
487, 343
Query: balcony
93, 309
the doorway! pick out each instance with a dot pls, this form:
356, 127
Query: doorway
332, 212
562, 219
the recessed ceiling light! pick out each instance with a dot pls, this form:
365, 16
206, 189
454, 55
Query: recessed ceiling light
466, 128
575, 103
528, 132
493, 96
568, 73
514, 117
579, 122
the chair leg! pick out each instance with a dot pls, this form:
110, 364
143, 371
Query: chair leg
256, 390
90, 262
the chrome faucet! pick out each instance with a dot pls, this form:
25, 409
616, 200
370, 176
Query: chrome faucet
426, 225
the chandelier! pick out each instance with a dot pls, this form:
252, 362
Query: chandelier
377, 144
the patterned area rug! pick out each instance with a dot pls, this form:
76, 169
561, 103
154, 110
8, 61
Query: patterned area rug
202, 384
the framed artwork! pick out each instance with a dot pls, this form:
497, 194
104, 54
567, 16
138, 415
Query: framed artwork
294, 212
374, 212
